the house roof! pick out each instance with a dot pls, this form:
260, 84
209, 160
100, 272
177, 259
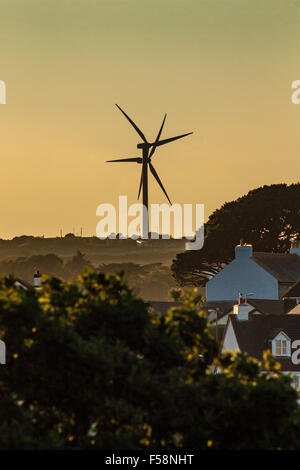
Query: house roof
263, 306
25, 284
254, 336
295, 310
163, 307
293, 291
285, 267
224, 306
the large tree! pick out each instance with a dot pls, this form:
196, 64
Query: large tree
267, 217
89, 367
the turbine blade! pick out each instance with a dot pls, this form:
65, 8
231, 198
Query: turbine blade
152, 169
157, 138
166, 141
141, 182
133, 125
137, 160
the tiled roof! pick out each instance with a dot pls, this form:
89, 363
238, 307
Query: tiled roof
295, 310
254, 336
293, 291
224, 306
263, 306
285, 267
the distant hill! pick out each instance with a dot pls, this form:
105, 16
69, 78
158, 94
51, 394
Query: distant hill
96, 251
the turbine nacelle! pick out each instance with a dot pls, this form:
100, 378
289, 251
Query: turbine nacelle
144, 145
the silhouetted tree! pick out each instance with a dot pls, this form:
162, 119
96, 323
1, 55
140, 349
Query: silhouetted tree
76, 265
267, 217
24, 267
70, 235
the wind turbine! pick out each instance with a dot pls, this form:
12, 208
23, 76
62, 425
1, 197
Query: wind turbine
148, 150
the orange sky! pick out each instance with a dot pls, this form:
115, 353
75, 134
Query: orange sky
222, 69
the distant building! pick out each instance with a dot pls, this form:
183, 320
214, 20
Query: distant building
37, 281
23, 284
265, 275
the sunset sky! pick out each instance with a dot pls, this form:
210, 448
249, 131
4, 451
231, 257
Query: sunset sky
220, 68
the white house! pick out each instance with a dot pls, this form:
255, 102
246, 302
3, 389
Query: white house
264, 275
37, 282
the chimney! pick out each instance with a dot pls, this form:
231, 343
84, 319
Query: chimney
295, 247
37, 279
243, 251
242, 310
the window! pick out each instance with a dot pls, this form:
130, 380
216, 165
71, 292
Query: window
281, 345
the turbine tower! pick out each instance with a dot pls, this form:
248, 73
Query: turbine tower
148, 150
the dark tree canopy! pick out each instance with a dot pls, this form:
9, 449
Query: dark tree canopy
266, 217
90, 367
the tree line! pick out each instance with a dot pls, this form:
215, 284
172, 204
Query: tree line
151, 281
267, 217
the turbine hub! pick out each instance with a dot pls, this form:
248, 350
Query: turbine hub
143, 145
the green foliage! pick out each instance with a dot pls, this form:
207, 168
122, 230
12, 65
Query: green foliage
176, 294
267, 217
89, 366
